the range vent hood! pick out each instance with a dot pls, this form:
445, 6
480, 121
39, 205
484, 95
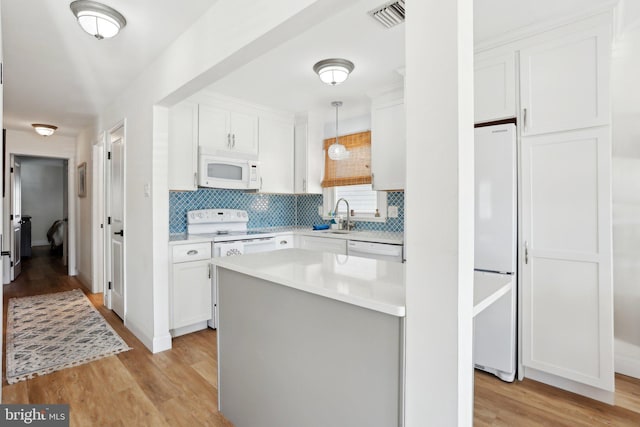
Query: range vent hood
389, 14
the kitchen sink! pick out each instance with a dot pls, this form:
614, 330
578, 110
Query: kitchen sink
337, 231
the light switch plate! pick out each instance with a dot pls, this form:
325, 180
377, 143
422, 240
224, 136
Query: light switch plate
392, 212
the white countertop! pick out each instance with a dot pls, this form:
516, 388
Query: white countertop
488, 288
359, 235
368, 283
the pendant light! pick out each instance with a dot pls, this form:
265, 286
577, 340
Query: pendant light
333, 71
44, 130
336, 150
97, 19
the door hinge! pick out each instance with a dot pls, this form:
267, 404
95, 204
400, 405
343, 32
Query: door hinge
109, 155
11, 263
101, 225
11, 170
11, 217
109, 220
109, 285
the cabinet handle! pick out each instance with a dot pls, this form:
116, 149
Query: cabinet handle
524, 118
192, 252
372, 182
210, 270
304, 185
195, 179
526, 252
228, 140
233, 139
261, 183
283, 242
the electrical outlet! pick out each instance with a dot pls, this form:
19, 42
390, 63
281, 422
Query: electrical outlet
320, 210
392, 212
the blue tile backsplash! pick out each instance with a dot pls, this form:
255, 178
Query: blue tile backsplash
268, 210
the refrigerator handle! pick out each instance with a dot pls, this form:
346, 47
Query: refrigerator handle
526, 252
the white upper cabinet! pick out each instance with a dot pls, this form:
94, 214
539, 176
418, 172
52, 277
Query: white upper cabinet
276, 155
227, 132
388, 142
564, 83
494, 86
308, 154
183, 146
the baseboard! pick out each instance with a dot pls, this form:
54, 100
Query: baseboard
627, 359
188, 329
40, 243
161, 343
86, 282
572, 386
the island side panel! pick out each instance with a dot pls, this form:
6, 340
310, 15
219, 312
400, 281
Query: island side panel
290, 358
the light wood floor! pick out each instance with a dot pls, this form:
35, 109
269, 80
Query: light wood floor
177, 387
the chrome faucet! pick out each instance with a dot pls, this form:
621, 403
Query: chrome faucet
348, 215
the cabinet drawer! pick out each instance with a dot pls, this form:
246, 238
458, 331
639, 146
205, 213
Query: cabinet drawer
191, 252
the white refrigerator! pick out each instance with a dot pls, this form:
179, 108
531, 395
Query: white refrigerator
496, 247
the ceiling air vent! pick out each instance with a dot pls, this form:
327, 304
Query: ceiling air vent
389, 14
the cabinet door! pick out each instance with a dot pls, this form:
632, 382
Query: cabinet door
388, 140
564, 83
495, 87
190, 293
276, 156
183, 147
244, 133
309, 155
567, 299
214, 131
323, 244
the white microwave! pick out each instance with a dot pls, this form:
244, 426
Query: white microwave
226, 172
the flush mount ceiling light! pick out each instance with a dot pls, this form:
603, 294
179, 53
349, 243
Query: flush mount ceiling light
97, 19
336, 150
333, 71
44, 130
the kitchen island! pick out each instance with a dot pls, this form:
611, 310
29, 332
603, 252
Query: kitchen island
309, 338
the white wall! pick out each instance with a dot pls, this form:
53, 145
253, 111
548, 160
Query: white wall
84, 142
42, 191
626, 188
224, 38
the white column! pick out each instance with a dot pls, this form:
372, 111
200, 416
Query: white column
439, 214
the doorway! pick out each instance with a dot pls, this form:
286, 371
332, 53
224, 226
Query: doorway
39, 208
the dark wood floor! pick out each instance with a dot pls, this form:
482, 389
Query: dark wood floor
178, 387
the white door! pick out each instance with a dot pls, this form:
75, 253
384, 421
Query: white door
564, 83
116, 219
16, 217
65, 213
97, 221
183, 147
567, 297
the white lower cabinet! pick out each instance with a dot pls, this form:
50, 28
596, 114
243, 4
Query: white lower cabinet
324, 244
567, 298
190, 287
285, 241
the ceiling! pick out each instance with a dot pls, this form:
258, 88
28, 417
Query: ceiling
55, 73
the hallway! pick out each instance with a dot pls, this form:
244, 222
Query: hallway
135, 388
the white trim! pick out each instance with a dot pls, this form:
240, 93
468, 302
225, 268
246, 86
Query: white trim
97, 215
39, 243
154, 344
547, 25
329, 203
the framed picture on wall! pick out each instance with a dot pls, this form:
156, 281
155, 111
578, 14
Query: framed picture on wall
82, 179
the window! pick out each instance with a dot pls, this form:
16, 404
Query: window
363, 201
351, 179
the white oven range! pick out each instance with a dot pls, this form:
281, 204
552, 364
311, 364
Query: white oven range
228, 230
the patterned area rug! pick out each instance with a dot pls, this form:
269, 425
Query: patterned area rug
47, 333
